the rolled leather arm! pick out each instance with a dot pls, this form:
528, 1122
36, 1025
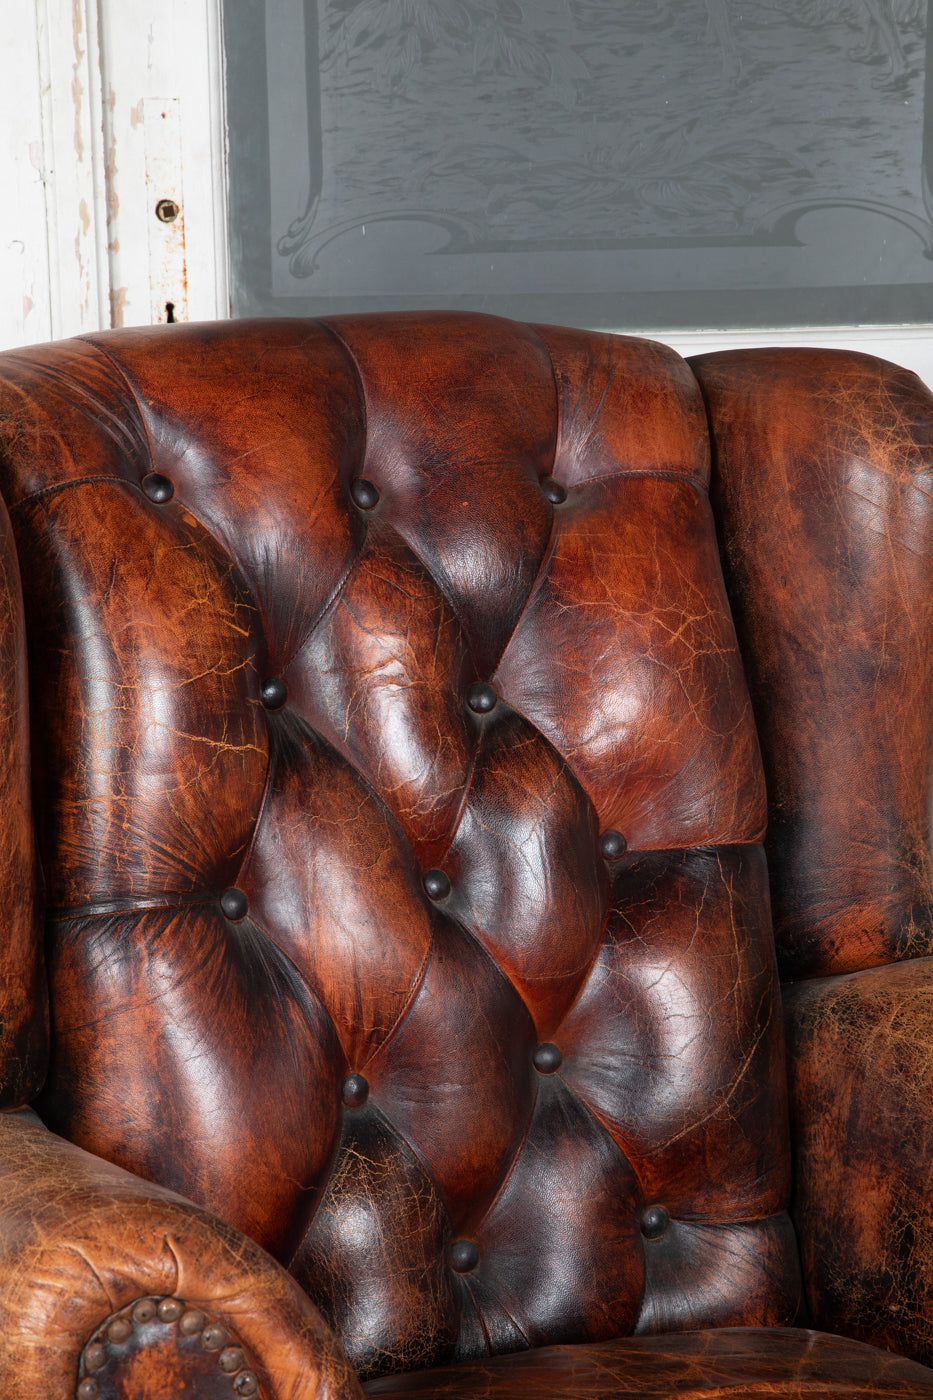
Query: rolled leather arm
80, 1240
861, 1080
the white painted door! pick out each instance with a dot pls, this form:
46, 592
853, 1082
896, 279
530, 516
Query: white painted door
112, 115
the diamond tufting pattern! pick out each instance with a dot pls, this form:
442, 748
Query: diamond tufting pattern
539, 1096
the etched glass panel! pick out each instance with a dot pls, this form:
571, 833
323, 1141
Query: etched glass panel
624, 163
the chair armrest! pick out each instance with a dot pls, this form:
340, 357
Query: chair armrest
860, 1051
81, 1239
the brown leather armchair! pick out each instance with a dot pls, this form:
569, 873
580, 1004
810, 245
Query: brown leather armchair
393, 992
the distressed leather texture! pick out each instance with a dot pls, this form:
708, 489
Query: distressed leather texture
399, 805
823, 486
741, 1363
81, 1240
823, 492
24, 1002
862, 1082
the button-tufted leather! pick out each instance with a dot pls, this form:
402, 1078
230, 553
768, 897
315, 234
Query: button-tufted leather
158, 487
273, 693
547, 1058
438, 978
481, 698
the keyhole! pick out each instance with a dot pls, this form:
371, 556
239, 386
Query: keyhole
170, 312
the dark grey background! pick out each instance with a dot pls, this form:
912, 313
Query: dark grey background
622, 163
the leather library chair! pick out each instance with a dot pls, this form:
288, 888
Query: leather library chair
388, 989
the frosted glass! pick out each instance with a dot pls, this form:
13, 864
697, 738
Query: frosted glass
642, 163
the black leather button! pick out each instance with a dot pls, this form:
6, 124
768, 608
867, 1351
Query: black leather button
547, 1058
654, 1222
355, 1090
481, 698
554, 490
273, 693
364, 493
95, 1356
612, 845
158, 487
234, 904
436, 884
170, 1309
464, 1256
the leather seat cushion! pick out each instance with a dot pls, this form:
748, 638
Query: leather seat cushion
743, 1363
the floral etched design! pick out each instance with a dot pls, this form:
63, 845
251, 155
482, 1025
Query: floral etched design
604, 123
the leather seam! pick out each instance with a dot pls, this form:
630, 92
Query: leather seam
649, 473
130, 388
391, 818
96, 911
536, 585
558, 393
350, 569
44, 491
408, 543
325, 325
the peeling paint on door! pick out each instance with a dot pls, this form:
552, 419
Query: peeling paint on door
168, 269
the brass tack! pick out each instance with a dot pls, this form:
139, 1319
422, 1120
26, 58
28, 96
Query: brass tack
170, 1309
120, 1330
88, 1389
192, 1322
214, 1337
95, 1356
231, 1359
246, 1383
144, 1311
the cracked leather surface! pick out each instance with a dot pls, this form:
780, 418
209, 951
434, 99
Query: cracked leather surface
823, 489
738, 1363
547, 1103
862, 1079
81, 1238
23, 993
822, 480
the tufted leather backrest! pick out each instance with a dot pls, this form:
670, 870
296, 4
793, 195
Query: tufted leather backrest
399, 804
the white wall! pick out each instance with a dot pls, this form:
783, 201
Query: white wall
905, 345
107, 106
